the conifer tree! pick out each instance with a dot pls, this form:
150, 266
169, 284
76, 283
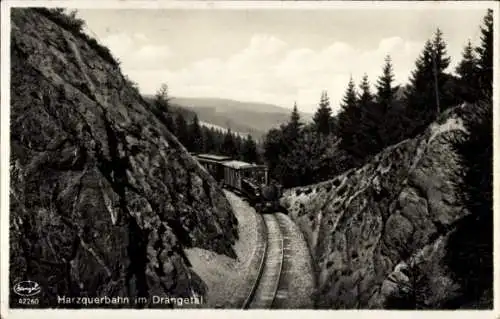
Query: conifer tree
181, 130
422, 77
294, 125
228, 146
274, 150
322, 117
419, 95
195, 136
467, 71
485, 56
377, 115
208, 141
350, 97
238, 143
427, 95
249, 150
349, 119
440, 63
349, 114
385, 88
365, 96
441, 59
371, 121
218, 137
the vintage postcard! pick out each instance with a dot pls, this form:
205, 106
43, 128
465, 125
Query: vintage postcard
185, 158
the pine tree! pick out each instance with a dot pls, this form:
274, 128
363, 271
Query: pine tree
195, 136
371, 120
377, 115
350, 97
427, 94
238, 144
440, 63
249, 150
181, 130
441, 59
274, 150
322, 117
385, 88
419, 95
349, 114
422, 77
218, 137
467, 71
294, 125
208, 141
295, 117
228, 146
349, 119
485, 53
366, 96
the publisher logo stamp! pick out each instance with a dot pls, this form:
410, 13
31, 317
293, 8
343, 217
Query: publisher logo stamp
27, 288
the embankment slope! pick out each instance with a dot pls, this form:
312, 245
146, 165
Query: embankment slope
379, 235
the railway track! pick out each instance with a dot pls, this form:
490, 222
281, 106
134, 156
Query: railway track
270, 286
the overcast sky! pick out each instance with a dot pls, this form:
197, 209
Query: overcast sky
274, 56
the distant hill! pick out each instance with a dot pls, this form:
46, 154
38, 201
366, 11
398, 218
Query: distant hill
244, 117
223, 129
189, 113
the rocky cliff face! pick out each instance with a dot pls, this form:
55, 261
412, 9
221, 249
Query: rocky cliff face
103, 198
379, 234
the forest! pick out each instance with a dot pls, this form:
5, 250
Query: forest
300, 153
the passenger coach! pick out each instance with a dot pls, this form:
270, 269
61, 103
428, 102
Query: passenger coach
248, 179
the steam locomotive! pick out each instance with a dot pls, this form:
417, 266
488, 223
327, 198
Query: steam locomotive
248, 179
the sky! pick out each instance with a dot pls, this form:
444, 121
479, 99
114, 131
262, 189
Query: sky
276, 56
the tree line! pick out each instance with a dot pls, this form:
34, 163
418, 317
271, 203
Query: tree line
301, 154
198, 138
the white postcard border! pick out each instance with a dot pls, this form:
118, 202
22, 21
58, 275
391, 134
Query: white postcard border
236, 5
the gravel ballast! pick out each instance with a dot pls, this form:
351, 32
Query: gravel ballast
228, 279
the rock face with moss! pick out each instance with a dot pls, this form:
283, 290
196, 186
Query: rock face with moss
103, 198
380, 234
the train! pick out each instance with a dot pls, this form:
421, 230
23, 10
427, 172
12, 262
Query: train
248, 179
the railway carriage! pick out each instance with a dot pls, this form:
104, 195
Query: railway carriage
212, 164
250, 180
236, 171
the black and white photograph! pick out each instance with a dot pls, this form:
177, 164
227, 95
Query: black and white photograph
248, 155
